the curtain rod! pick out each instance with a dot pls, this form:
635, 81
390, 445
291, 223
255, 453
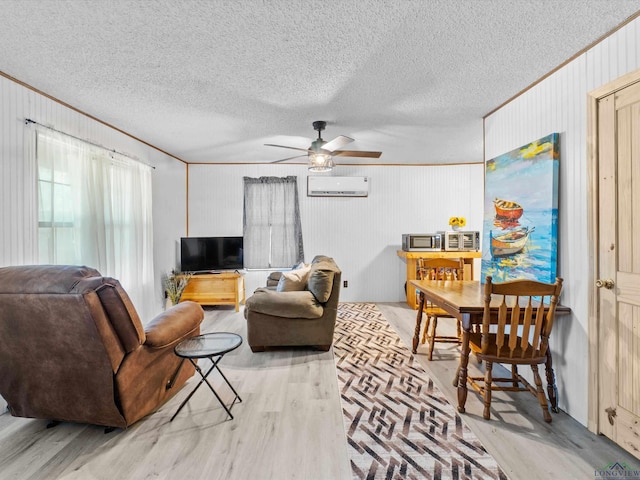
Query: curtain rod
28, 120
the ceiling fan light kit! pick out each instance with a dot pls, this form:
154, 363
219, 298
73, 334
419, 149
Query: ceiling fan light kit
321, 153
320, 162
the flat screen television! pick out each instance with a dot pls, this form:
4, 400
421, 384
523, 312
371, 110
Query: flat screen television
207, 254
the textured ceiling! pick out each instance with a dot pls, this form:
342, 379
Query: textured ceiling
213, 81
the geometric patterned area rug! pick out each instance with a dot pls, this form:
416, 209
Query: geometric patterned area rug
398, 423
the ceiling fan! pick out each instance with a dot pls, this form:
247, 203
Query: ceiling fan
320, 152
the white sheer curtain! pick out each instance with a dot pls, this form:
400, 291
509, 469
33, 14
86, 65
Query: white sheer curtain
272, 227
95, 209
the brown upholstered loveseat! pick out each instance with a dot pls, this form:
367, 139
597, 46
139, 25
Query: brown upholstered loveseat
72, 347
302, 313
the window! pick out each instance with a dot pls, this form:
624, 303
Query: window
94, 209
272, 227
55, 205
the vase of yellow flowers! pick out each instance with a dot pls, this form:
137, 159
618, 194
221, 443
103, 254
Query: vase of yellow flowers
456, 223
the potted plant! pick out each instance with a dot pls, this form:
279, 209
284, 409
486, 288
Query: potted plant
174, 284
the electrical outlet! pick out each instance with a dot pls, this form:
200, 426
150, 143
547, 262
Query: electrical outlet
345, 283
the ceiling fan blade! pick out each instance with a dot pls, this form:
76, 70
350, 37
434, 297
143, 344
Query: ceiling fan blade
336, 143
356, 153
289, 158
284, 146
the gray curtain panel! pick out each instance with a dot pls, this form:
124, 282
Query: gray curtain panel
271, 223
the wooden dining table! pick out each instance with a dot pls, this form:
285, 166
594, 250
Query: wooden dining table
464, 300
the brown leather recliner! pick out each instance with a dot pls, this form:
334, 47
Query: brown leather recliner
72, 347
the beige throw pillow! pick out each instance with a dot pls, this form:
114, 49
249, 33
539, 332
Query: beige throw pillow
294, 280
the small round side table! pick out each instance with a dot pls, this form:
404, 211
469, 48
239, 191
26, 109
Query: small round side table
212, 346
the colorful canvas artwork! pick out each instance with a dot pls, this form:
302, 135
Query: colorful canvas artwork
520, 228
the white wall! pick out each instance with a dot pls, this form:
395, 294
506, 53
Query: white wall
361, 234
18, 234
169, 217
559, 104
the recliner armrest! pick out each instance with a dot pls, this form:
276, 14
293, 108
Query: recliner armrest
173, 325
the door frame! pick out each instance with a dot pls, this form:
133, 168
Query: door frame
593, 97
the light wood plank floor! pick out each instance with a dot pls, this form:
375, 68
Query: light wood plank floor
289, 426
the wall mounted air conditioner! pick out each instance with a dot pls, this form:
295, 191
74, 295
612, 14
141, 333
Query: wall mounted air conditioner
321, 186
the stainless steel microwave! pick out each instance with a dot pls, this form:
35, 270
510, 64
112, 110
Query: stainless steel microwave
421, 242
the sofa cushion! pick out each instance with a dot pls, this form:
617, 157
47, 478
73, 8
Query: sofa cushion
274, 276
294, 280
320, 280
284, 304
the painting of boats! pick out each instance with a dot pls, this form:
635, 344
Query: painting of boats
509, 243
520, 226
506, 209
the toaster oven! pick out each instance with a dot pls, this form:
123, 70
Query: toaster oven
461, 241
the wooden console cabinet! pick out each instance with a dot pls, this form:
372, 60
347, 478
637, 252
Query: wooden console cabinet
411, 259
224, 288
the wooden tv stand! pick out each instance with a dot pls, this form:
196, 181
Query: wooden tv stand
226, 288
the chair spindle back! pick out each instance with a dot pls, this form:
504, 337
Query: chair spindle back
525, 317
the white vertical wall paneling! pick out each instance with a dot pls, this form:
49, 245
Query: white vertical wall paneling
169, 212
16, 211
559, 104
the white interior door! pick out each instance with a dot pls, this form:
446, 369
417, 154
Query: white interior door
619, 267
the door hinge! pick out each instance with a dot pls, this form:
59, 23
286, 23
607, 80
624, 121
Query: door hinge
611, 413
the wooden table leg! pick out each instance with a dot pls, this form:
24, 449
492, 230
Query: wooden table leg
464, 362
416, 334
552, 390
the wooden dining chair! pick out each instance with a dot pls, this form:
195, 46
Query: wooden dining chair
519, 335
439, 269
